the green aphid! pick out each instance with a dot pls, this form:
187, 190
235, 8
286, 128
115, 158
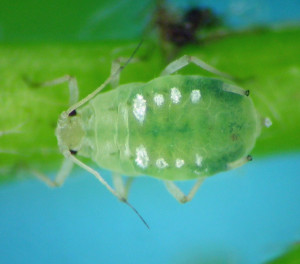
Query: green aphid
174, 127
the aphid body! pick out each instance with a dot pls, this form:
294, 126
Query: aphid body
173, 128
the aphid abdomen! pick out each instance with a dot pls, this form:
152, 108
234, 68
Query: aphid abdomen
183, 127
174, 127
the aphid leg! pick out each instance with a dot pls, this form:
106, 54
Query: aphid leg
114, 82
238, 163
121, 188
186, 60
179, 195
14, 130
72, 83
103, 85
114, 73
227, 87
61, 176
108, 187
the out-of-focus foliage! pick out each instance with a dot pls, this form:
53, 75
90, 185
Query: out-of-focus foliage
268, 64
292, 256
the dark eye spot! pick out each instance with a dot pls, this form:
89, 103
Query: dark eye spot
73, 152
247, 93
73, 113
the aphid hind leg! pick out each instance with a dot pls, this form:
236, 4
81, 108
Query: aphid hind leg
239, 162
235, 89
179, 195
72, 83
185, 60
60, 177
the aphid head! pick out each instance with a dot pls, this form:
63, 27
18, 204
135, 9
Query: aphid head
69, 133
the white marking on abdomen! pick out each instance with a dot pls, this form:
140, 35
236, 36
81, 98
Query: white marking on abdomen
139, 107
195, 96
199, 160
161, 163
197, 172
159, 99
142, 159
175, 95
179, 163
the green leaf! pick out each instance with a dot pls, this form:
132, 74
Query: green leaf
266, 63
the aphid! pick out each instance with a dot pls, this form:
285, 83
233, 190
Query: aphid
173, 127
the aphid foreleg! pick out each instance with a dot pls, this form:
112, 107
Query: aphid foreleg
185, 60
179, 195
61, 176
72, 83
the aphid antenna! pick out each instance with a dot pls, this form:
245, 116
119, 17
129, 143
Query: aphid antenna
98, 176
136, 212
106, 82
129, 59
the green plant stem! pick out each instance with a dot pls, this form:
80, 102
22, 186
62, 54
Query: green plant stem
267, 63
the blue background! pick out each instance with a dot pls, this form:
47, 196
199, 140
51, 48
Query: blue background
244, 216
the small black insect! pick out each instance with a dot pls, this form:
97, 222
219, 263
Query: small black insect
185, 28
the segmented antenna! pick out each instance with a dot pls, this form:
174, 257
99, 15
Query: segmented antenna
130, 58
115, 73
108, 187
137, 213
